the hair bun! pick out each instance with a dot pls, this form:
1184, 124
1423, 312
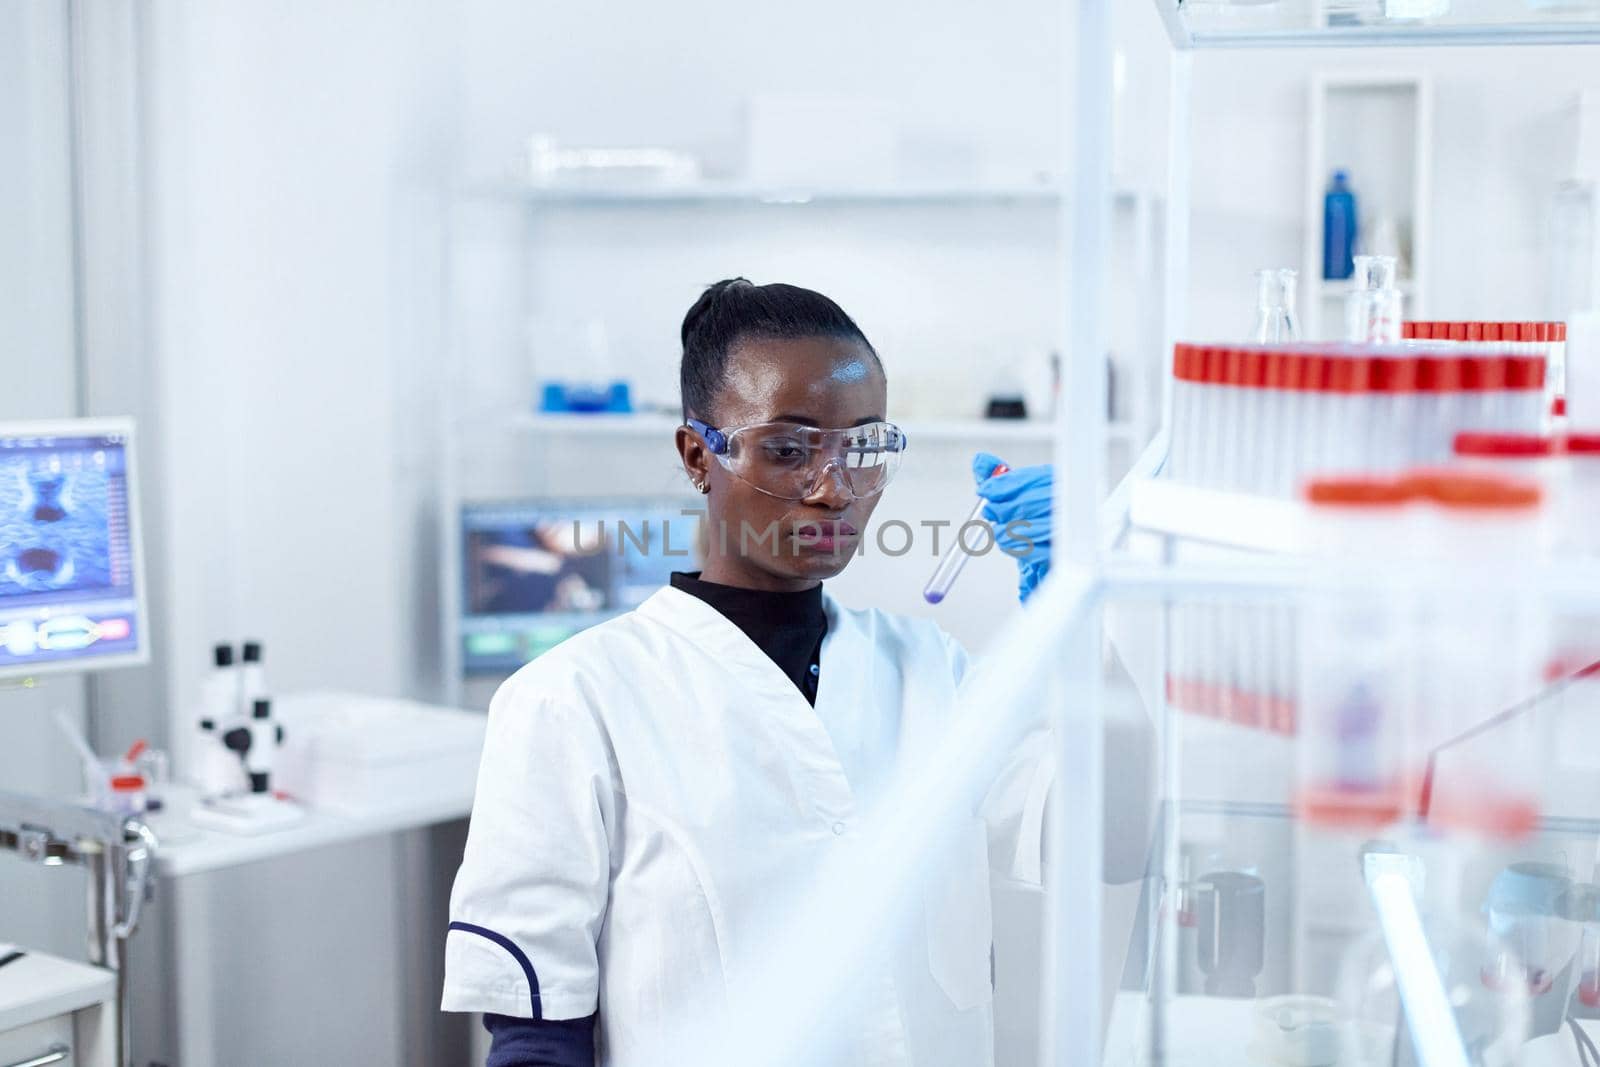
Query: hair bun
710, 306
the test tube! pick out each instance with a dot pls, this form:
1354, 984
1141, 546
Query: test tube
955, 557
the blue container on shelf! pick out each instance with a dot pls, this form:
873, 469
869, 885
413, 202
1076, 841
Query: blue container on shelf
1339, 229
582, 398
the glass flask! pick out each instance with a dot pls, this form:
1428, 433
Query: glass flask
1275, 298
1373, 308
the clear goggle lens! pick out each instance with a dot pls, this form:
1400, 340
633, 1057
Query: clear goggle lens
789, 461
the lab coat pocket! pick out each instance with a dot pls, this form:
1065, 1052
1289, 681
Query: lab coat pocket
959, 924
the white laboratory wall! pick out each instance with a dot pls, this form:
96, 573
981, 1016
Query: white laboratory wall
1499, 121
292, 146
38, 906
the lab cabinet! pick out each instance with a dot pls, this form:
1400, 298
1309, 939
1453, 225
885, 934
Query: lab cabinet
48, 1041
56, 1013
1448, 915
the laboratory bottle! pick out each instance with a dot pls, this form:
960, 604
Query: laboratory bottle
1338, 229
1356, 768
1275, 300
1373, 307
1483, 647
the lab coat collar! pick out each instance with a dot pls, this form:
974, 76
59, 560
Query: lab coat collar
708, 628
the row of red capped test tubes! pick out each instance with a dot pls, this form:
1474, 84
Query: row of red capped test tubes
1548, 339
1262, 418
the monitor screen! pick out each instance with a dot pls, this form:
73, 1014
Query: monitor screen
71, 595
536, 572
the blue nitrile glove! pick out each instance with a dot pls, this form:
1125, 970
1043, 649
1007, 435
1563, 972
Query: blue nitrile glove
1019, 506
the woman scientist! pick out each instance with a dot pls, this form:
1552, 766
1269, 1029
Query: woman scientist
654, 789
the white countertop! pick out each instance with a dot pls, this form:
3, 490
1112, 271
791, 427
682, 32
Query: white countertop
38, 987
187, 849
366, 765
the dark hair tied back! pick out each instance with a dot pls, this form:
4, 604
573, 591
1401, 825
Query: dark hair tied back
734, 310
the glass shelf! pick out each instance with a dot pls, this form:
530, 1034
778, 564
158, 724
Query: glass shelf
1361, 23
711, 194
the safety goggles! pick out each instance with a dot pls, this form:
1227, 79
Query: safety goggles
789, 461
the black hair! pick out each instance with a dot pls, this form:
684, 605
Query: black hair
735, 309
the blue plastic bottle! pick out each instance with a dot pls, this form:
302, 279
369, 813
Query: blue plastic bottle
1339, 229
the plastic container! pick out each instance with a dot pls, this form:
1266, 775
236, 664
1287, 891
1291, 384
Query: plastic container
1481, 651
1539, 458
1339, 229
127, 795
1354, 667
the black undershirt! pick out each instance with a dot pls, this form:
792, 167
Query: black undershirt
789, 628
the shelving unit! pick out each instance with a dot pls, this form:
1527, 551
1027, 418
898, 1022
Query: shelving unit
735, 194
482, 440
1378, 128
1165, 547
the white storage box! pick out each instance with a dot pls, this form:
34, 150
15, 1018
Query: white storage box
358, 755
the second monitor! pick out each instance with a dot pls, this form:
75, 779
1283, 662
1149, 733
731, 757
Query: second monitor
535, 572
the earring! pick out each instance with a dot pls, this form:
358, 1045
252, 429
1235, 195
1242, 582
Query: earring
701, 487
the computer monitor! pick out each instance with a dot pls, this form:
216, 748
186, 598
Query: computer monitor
535, 572
71, 574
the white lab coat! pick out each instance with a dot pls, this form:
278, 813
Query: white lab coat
655, 789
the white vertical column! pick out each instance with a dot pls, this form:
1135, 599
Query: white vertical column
1081, 419
1073, 994
1175, 296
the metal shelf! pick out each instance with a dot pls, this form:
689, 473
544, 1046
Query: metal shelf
1349, 24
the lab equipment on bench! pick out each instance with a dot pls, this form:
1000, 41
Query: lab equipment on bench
254, 742
358, 755
788, 461
534, 572
1372, 310
71, 571
1276, 321
586, 398
955, 556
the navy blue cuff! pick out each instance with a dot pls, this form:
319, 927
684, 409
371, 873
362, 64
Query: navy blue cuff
539, 1043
